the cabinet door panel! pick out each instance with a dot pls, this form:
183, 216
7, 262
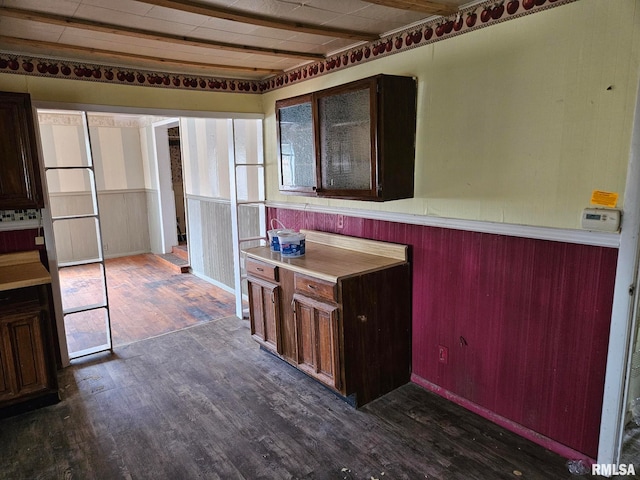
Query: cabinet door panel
20, 185
28, 353
346, 141
296, 144
264, 310
6, 389
305, 336
317, 334
326, 364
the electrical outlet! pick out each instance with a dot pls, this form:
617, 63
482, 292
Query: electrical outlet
340, 221
443, 354
40, 240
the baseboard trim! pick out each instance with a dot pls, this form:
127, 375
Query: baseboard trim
212, 281
581, 237
535, 437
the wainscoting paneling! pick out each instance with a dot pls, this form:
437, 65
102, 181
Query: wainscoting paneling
210, 242
525, 321
123, 219
125, 228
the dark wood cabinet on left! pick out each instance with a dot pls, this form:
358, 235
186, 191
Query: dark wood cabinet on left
20, 182
28, 376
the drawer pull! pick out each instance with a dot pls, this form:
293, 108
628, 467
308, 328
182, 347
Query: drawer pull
260, 269
312, 287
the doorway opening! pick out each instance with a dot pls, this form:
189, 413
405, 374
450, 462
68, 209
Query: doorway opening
161, 184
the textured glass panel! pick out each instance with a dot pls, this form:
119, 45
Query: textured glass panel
296, 146
345, 141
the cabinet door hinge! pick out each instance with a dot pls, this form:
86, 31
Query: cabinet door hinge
632, 289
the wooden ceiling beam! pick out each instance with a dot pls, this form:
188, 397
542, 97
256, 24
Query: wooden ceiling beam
425, 6
110, 54
149, 35
235, 15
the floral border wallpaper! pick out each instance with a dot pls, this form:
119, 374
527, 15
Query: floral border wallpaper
440, 28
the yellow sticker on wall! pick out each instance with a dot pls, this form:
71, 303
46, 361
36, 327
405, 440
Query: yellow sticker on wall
605, 199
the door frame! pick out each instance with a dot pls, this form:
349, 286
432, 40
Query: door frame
47, 223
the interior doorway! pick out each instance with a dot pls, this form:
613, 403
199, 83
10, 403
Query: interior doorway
141, 203
175, 155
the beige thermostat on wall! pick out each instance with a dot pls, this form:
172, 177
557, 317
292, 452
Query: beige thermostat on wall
601, 219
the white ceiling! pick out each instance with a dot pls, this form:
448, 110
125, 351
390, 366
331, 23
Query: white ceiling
24, 30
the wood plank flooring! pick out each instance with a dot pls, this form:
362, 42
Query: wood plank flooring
147, 298
206, 402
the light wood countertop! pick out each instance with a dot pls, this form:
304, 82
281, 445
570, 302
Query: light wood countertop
22, 269
324, 260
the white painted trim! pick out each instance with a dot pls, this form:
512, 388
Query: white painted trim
19, 225
235, 229
101, 192
200, 198
126, 254
160, 112
623, 317
581, 237
216, 283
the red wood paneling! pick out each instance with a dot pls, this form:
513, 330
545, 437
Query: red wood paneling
21, 241
526, 321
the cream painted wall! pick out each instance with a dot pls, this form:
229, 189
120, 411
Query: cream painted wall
117, 153
206, 156
95, 93
516, 123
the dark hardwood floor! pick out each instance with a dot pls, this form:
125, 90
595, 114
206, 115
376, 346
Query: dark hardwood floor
147, 298
205, 402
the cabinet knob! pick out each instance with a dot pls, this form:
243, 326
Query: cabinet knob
362, 318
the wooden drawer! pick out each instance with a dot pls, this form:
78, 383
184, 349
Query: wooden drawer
260, 269
19, 300
315, 287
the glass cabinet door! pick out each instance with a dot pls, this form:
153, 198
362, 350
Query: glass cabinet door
354, 141
345, 141
296, 145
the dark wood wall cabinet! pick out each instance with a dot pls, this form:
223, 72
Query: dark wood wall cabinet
341, 313
28, 374
353, 141
20, 182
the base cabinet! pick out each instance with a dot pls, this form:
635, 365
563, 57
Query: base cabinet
353, 335
23, 354
28, 376
316, 326
264, 303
